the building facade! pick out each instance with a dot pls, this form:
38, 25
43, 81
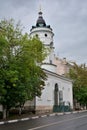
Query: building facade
63, 66
58, 89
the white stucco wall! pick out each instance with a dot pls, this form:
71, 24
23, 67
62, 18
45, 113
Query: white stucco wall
49, 67
47, 40
41, 31
47, 98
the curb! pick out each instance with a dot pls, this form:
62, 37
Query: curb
40, 116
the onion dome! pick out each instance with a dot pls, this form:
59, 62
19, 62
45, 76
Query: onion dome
40, 21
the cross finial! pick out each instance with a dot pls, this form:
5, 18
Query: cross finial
40, 12
40, 8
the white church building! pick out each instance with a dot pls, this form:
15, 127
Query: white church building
58, 89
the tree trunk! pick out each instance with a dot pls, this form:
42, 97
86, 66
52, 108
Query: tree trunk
20, 110
7, 113
4, 112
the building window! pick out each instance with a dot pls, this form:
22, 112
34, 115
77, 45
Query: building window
50, 61
56, 94
36, 35
51, 44
45, 35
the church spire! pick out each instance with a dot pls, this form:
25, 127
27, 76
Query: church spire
40, 21
40, 12
40, 9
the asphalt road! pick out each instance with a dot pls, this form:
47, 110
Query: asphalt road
77, 121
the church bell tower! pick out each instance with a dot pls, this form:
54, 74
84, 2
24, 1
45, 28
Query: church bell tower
45, 33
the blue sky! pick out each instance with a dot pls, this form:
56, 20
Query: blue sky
68, 19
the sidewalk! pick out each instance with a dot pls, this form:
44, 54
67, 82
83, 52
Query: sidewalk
35, 116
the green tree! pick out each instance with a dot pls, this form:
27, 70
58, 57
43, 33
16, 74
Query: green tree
21, 76
79, 75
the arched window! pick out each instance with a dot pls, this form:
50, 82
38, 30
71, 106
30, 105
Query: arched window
56, 94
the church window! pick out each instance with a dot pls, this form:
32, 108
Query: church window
56, 94
45, 35
36, 35
51, 44
50, 61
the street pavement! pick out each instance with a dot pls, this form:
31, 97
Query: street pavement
76, 120
36, 116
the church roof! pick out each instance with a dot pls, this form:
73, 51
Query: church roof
40, 21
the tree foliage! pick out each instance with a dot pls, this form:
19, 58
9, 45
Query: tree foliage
79, 75
21, 76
